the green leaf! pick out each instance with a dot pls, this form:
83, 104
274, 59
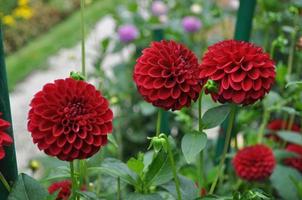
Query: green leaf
271, 99
116, 168
192, 144
293, 83
215, 116
281, 154
136, 196
159, 171
281, 181
290, 136
136, 165
27, 188
290, 110
88, 195
112, 140
188, 188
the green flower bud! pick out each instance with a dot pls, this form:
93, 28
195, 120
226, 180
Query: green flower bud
211, 86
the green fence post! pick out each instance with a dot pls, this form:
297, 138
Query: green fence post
158, 35
242, 32
8, 165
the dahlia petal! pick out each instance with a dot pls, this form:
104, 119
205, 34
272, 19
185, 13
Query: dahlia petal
54, 150
169, 83
2, 153
231, 69
227, 94
71, 137
247, 67
184, 87
225, 83
82, 133
86, 148
67, 148
176, 92
257, 84
5, 139
254, 74
158, 83
238, 76
238, 97
89, 139
247, 84
219, 74
79, 143
164, 93
235, 86
61, 141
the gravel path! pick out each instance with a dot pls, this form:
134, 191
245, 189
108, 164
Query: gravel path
60, 66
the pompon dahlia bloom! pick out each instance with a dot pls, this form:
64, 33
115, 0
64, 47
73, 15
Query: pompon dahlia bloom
64, 188
158, 8
295, 162
254, 163
277, 125
69, 119
166, 75
127, 33
5, 139
242, 71
191, 24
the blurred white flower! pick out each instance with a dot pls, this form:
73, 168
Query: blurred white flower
234, 4
196, 8
163, 19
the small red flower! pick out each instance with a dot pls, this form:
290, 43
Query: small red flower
69, 119
64, 188
5, 139
277, 125
166, 75
295, 162
242, 71
254, 163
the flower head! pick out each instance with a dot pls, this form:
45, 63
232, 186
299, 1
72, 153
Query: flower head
243, 72
254, 163
69, 119
166, 75
191, 24
127, 33
5, 139
158, 8
295, 162
64, 188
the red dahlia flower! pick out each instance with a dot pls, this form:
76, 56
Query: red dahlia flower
69, 119
295, 162
64, 188
166, 75
5, 139
277, 125
254, 163
242, 71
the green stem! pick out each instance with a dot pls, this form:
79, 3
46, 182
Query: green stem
272, 50
73, 180
176, 180
225, 149
4, 182
118, 188
291, 55
158, 123
200, 161
291, 121
265, 118
83, 38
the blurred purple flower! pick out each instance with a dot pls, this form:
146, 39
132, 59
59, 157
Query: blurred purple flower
191, 24
127, 33
159, 8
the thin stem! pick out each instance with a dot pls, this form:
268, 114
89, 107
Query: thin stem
265, 118
291, 55
291, 121
177, 184
73, 180
200, 161
4, 182
83, 38
158, 123
118, 188
225, 149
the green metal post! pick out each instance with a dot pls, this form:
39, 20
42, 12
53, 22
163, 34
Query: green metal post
242, 32
8, 165
158, 34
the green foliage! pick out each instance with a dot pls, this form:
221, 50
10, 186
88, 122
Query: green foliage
27, 188
290, 136
215, 116
192, 144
